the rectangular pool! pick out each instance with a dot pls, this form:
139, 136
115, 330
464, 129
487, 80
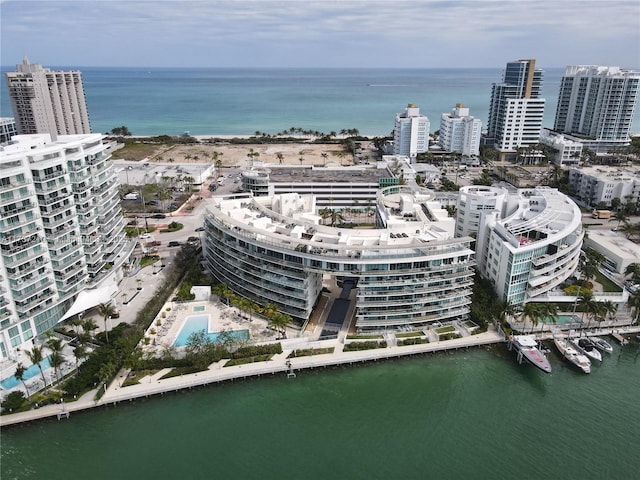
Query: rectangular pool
564, 319
198, 308
195, 323
32, 371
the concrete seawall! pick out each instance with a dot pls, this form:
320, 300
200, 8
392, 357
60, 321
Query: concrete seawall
217, 373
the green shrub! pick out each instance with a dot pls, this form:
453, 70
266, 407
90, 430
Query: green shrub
356, 346
450, 336
176, 372
13, 401
310, 351
245, 360
577, 290
254, 350
412, 341
409, 334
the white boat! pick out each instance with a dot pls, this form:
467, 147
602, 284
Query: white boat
527, 345
602, 344
585, 346
570, 353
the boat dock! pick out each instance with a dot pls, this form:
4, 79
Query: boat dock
620, 339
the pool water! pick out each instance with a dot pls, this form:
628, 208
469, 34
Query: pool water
564, 319
198, 308
195, 323
32, 371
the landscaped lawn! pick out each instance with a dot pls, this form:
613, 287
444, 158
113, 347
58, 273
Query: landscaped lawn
409, 334
446, 329
607, 285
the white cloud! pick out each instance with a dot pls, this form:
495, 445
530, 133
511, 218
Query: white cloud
451, 32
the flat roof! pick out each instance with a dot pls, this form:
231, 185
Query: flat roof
306, 174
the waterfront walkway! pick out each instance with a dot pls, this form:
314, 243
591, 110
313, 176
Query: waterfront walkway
279, 364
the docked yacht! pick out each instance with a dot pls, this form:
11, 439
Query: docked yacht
570, 353
527, 346
602, 344
587, 347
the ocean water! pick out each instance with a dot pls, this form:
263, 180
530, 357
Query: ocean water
229, 101
473, 414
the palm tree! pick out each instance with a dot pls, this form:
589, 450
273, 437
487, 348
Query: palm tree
336, 217
507, 309
268, 310
550, 312
325, 213
56, 359
628, 229
621, 216
609, 309
106, 310
633, 269
223, 291
279, 322
280, 157
634, 304
36, 357
533, 312
89, 325
75, 322
79, 352
324, 156
20, 371
252, 307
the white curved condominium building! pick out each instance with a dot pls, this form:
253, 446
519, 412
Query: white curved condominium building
528, 242
409, 271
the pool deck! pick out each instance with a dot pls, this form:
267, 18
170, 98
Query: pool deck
221, 317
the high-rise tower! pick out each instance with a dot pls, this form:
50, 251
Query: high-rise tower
460, 132
597, 102
516, 111
46, 101
61, 232
411, 132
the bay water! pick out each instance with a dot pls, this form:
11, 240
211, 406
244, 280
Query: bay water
469, 414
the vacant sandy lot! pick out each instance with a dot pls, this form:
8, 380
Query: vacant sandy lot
239, 155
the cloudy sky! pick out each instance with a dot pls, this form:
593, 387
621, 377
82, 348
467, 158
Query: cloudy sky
320, 33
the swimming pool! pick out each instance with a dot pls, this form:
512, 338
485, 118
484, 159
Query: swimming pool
195, 323
564, 319
32, 371
198, 308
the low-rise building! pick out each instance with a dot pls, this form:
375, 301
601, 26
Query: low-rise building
601, 184
619, 252
566, 151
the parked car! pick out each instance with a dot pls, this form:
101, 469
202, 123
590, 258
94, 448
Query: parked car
159, 215
145, 235
200, 229
174, 243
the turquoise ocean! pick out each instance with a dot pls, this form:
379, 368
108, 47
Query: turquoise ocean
472, 414
228, 101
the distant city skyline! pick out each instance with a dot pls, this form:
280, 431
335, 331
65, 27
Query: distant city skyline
351, 33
